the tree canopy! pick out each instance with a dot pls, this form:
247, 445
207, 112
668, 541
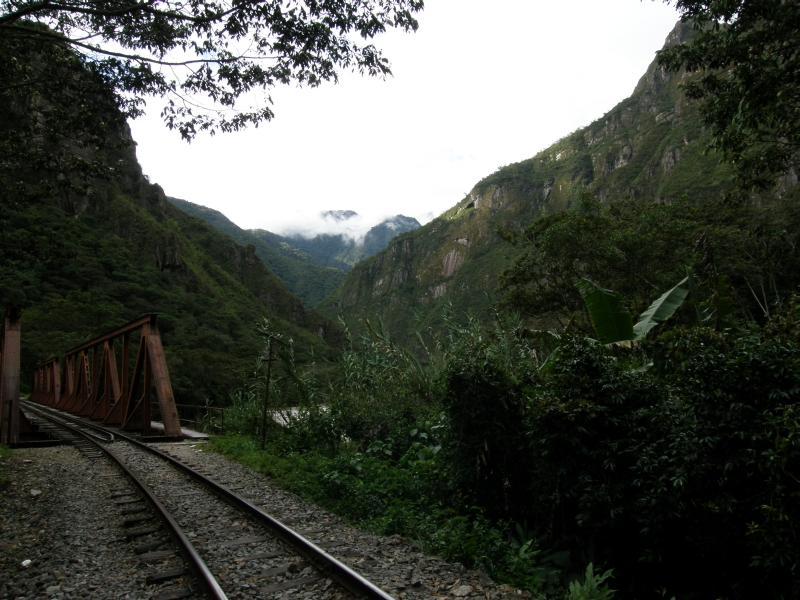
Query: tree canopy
747, 54
204, 58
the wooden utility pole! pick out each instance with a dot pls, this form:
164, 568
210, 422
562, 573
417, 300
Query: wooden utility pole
270, 359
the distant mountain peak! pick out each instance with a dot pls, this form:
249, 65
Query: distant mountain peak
344, 246
338, 215
401, 222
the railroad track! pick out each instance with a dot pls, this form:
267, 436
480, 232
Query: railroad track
190, 528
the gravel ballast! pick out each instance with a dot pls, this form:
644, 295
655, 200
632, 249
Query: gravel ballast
65, 513
57, 512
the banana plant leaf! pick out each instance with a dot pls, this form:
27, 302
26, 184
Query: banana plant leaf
611, 320
662, 309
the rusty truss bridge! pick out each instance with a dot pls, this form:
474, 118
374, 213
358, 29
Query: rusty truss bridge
111, 379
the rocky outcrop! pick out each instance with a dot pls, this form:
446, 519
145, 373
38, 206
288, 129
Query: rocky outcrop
167, 254
451, 262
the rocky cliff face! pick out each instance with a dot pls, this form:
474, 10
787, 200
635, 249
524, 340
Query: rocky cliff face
650, 145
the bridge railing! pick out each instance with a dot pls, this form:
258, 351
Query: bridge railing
47, 383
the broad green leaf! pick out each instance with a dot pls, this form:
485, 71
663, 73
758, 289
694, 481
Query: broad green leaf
611, 320
662, 309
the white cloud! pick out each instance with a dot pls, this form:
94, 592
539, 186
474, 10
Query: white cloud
353, 228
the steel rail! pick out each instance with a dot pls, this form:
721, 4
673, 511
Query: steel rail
185, 546
310, 551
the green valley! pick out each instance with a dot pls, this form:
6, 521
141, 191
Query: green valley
134, 253
88, 243
299, 272
343, 252
310, 267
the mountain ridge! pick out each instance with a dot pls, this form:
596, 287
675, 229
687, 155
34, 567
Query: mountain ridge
306, 278
118, 250
651, 144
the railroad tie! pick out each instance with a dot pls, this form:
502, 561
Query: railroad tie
144, 548
133, 511
136, 520
134, 533
243, 541
165, 576
153, 556
176, 594
292, 568
292, 584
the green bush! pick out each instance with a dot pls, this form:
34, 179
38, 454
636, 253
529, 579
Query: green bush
483, 396
673, 460
676, 474
590, 588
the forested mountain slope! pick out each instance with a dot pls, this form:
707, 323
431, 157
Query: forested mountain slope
132, 253
299, 271
651, 145
88, 244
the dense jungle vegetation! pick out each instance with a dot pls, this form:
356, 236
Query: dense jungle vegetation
528, 448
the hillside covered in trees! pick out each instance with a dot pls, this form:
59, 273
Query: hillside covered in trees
305, 277
651, 147
88, 243
310, 266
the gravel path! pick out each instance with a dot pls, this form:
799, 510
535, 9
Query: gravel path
64, 513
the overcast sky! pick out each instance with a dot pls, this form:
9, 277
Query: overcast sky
480, 85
